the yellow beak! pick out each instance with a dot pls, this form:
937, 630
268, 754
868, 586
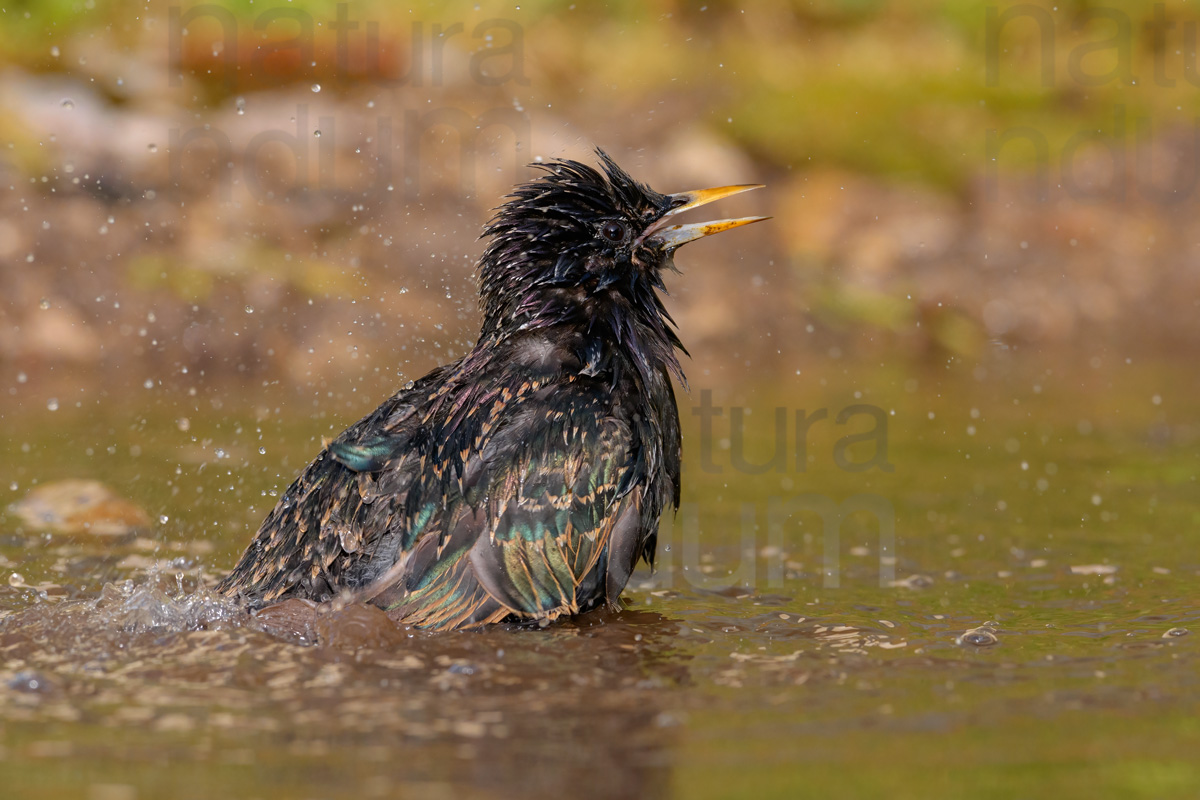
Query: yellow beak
671, 236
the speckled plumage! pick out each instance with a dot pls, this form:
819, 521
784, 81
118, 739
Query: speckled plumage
526, 479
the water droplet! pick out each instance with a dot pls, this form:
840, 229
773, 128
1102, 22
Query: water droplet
55, 52
52, 404
163, 519
316, 87
149, 384
68, 103
152, 147
317, 134
26, 681
44, 305
16, 579
249, 309
262, 451
978, 637
1175, 632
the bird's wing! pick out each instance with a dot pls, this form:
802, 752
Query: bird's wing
312, 537
491, 504
544, 520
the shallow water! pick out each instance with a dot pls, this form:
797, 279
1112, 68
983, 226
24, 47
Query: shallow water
1031, 627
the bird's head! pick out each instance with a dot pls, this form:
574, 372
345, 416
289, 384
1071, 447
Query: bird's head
581, 245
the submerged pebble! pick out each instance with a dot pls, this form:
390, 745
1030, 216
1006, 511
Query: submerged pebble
1093, 569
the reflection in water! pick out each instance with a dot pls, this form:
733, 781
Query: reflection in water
569, 710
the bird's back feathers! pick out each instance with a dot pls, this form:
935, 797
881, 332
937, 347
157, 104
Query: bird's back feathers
481, 492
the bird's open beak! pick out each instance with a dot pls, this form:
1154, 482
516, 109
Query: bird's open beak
670, 236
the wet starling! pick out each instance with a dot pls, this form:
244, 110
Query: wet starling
525, 480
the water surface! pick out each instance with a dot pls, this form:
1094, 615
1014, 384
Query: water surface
1030, 628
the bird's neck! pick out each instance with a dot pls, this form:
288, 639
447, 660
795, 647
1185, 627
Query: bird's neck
609, 329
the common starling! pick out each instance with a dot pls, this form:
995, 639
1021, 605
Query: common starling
525, 480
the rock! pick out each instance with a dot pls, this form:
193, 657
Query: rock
80, 506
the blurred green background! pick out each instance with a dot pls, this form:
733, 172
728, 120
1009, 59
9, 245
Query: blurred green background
285, 188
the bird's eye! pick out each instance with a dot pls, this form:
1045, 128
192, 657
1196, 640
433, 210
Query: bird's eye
613, 231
